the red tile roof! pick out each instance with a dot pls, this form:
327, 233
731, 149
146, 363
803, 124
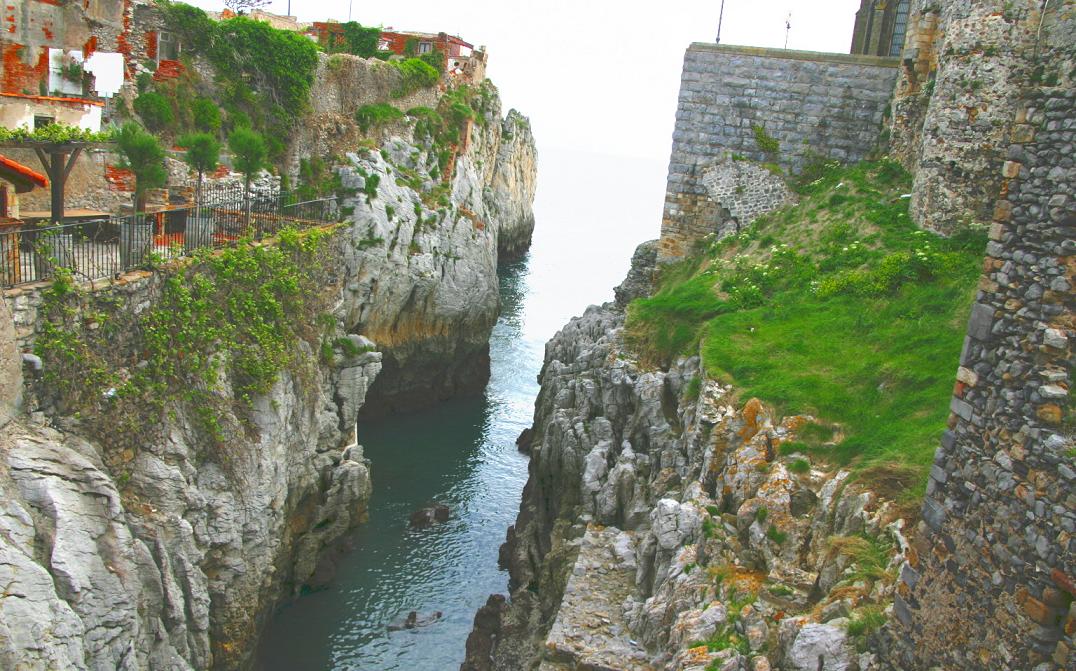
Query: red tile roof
22, 177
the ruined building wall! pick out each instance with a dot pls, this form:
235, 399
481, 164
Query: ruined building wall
956, 99
990, 580
814, 105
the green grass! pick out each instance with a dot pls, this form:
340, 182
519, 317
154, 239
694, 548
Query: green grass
857, 318
800, 466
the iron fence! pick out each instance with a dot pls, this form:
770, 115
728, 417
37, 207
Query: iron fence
102, 248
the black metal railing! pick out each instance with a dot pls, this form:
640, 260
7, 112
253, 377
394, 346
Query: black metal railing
102, 248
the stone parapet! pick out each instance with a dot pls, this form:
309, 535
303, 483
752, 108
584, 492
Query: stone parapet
768, 106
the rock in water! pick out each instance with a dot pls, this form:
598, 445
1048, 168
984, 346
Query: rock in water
430, 515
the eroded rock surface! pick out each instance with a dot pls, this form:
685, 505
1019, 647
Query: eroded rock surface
661, 527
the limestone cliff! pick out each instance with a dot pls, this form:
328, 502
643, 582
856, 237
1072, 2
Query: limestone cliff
426, 287
164, 555
661, 528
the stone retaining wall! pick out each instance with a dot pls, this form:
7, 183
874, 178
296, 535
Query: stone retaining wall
813, 105
990, 578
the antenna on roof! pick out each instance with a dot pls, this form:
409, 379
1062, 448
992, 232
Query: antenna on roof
788, 28
720, 20
350, 4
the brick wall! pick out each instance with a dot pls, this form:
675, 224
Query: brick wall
813, 104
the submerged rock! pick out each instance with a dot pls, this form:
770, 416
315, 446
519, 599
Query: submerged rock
430, 515
413, 621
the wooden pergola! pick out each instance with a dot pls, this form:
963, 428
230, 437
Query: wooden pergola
58, 158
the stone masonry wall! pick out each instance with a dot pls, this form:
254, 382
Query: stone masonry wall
956, 96
743, 192
991, 576
814, 105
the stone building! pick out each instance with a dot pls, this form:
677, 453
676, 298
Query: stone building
880, 27
62, 61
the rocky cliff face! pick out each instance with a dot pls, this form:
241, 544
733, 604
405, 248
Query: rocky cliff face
426, 285
165, 557
663, 526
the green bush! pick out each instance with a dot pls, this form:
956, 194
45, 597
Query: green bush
206, 115
263, 73
776, 535
356, 39
416, 74
377, 114
155, 111
435, 59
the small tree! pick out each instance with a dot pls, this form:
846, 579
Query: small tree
144, 156
249, 153
244, 6
203, 155
248, 156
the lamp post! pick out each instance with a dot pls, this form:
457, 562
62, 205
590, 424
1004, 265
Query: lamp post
720, 20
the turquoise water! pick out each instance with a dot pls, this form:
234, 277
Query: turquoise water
591, 213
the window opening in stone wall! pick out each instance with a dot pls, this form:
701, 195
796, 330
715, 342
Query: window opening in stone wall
167, 47
40, 121
425, 48
900, 28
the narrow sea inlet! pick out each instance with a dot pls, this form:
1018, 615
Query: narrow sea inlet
463, 453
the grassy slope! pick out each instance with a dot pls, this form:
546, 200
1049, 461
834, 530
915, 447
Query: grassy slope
837, 307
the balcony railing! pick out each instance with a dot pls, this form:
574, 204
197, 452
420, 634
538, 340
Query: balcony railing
104, 248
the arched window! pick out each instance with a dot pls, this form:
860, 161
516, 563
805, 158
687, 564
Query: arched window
900, 29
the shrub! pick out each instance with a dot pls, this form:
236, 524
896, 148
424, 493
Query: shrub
693, 388
144, 81
761, 514
375, 115
206, 115
355, 39
416, 74
435, 59
372, 182
155, 111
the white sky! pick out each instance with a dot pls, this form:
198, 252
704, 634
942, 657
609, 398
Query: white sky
597, 76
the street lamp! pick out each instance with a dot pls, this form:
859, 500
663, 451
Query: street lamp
720, 19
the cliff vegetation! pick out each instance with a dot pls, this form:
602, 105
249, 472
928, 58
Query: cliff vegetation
838, 307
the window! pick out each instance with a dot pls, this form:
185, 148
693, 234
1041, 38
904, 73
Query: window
425, 47
41, 121
167, 47
900, 29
